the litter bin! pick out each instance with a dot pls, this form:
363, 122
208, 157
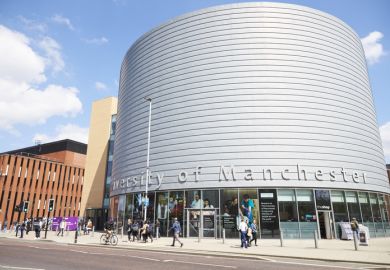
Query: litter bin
363, 238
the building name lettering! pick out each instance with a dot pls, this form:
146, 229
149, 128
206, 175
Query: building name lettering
232, 173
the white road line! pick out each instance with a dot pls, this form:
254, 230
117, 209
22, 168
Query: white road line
205, 264
316, 265
20, 268
116, 255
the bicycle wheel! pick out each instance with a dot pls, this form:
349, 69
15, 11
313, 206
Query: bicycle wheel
103, 239
114, 240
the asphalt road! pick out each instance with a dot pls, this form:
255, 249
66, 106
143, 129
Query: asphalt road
34, 255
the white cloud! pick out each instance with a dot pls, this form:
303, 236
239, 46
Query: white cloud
33, 25
385, 135
62, 20
100, 86
97, 41
19, 63
53, 54
21, 99
372, 48
69, 131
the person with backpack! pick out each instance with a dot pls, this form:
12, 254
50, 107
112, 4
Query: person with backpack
134, 230
176, 228
37, 228
355, 227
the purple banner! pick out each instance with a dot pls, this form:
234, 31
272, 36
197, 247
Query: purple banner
70, 223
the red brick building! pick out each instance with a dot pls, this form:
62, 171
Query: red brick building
34, 175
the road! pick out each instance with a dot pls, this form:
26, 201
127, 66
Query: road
36, 255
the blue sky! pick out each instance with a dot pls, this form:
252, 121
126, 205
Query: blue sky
57, 57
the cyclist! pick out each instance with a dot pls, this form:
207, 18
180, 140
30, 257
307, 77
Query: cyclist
109, 228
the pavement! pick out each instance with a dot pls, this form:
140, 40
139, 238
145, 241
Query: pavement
377, 252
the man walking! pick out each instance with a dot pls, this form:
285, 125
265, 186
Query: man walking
176, 228
37, 228
243, 228
62, 227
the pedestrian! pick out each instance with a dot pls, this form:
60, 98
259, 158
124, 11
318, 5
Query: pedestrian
134, 230
157, 229
176, 228
5, 225
149, 231
17, 227
144, 231
129, 224
37, 228
22, 228
62, 227
243, 228
28, 226
89, 226
355, 227
254, 232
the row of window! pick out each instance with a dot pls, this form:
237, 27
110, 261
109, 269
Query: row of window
297, 215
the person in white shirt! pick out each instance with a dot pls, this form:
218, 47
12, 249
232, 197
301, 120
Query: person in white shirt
197, 202
243, 228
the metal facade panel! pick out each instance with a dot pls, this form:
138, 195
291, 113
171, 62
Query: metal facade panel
256, 86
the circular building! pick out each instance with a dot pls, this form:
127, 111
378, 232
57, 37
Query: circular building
259, 111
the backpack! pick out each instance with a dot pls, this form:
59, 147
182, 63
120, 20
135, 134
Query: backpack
353, 226
150, 228
135, 227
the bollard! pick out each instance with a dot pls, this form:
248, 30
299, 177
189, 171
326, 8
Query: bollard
67, 230
93, 231
281, 238
223, 236
315, 239
355, 241
75, 236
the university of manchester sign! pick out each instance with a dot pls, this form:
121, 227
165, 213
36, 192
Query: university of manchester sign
254, 173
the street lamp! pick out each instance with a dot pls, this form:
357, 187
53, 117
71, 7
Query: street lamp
147, 157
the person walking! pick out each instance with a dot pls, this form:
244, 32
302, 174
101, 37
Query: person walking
129, 224
254, 232
134, 230
17, 227
28, 226
89, 226
5, 225
62, 227
144, 231
176, 228
22, 228
355, 227
243, 228
37, 228
157, 229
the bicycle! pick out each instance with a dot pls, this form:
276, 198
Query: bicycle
109, 238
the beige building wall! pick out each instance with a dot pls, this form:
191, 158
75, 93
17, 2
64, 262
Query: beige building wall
95, 170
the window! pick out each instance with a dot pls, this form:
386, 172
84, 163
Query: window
288, 213
339, 206
353, 205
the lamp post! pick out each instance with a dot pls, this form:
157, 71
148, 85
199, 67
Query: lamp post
147, 157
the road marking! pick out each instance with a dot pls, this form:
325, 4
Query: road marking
316, 265
117, 255
21, 268
204, 264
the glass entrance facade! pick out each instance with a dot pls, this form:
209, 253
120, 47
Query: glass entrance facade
294, 212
